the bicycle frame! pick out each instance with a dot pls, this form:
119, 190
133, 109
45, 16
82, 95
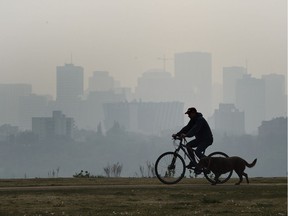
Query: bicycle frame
183, 147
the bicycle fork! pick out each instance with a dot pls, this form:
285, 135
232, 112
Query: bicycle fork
172, 165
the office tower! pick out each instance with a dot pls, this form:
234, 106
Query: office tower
250, 98
229, 120
230, 77
92, 110
156, 118
32, 106
69, 82
275, 97
101, 81
272, 139
155, 85
145, 117
50, 127
217, 95
193, 74
9, 96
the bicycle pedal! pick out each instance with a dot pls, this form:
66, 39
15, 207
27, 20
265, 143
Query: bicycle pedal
190, 167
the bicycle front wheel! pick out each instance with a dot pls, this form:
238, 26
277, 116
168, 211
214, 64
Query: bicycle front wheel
170, 168
211, 176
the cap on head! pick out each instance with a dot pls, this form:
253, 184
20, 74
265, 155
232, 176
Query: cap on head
191, 110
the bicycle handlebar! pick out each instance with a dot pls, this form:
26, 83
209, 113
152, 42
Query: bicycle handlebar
179, 138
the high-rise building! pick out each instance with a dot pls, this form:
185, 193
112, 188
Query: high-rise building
145, 117
272, 139
250, 98
69, 82
230, 77
49, 127
10, 95
32, 106
229, 120
275, 96
101, 81
193, 74
156, 85
92, 113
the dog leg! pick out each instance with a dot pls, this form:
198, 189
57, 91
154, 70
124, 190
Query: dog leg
240, 178
216, 179
246, 176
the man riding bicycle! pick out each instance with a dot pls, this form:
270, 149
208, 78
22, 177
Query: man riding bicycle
199, 128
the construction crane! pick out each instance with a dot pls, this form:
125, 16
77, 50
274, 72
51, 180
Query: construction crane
164, 59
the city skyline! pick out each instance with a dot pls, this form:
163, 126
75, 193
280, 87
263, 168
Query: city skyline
117, 83
127, 38
258, 99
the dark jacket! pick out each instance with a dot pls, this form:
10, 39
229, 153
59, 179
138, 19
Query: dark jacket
199, 128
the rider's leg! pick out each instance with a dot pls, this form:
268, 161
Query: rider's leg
200, 150
190, 145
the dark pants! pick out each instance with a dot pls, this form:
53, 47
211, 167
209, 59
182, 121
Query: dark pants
200, 146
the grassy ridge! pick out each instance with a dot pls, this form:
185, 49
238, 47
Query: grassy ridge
136, 196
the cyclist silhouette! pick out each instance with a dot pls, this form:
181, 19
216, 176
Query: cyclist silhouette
199, 128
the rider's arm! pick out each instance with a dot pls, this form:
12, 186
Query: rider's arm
185, 129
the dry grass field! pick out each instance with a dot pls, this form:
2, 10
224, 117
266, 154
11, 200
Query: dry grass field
136, 196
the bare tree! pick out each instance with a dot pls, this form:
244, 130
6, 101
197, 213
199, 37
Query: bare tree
149, 172
142, 171
151, 169
113, 170
107, 170
58, 170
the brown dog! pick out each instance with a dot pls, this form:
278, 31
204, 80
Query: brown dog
221, 165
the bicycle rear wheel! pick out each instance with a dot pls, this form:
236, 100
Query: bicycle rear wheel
170, 168
211, 176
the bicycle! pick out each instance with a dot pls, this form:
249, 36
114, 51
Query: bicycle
170, 167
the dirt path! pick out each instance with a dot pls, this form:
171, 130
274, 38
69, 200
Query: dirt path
76, 187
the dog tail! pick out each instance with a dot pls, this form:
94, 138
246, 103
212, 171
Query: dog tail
252, 164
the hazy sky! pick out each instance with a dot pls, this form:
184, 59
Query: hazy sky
126, 37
